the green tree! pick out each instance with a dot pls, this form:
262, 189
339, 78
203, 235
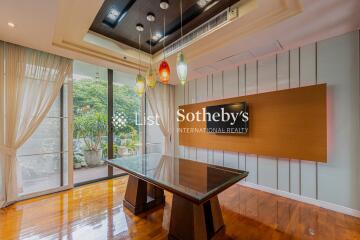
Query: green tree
91, 96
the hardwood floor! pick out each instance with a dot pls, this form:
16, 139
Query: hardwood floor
95, 211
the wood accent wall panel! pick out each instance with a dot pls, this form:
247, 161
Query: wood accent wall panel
281, 123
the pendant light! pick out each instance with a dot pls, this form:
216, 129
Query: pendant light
140, 80
164, 4
181, 65
150, 74
164, 69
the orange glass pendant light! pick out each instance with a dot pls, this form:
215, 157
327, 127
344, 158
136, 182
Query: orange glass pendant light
164, 71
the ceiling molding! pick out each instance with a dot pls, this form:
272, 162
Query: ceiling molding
73, 23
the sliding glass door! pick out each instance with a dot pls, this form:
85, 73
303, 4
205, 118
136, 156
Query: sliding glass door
106, 117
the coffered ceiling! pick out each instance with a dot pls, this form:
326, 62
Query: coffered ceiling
117, 20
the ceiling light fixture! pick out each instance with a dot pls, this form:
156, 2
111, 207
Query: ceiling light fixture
156, 36
150, 76
140, 80
164, 4
11, 24
113, 14
181, 65
150, 17
164, 69
139, 27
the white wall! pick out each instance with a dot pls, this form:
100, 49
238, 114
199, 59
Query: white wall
335, 62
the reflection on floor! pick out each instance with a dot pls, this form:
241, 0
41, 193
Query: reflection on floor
88, 174
85, 174
38, 184
95, 211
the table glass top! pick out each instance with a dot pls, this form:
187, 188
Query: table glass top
195, 181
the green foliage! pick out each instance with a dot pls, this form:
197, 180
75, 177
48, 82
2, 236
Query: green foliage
91, 96
90, 127
105, 149
131, 143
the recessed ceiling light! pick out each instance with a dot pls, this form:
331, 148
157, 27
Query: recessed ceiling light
113, 14
156, 36
11, 24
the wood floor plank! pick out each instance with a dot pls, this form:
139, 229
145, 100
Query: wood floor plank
95, 211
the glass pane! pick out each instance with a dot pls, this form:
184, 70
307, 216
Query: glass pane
39, 157
154, 137
197, 181
127, 109
55, 108
90, 86
39, 172
46, 139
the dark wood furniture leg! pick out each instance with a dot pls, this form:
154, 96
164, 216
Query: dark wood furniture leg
191, 221
141, 196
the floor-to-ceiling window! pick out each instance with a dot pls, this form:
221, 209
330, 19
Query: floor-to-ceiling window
43, 159
100, 96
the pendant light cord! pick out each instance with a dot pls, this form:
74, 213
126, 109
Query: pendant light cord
139, 52
150, 46
181, 20
164, 37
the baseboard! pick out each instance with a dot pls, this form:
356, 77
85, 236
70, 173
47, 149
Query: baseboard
319, 203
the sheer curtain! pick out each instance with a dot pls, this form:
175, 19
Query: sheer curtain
162, 102
30, 81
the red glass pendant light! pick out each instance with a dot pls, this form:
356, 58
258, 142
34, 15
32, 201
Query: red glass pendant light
164, 72
164, 69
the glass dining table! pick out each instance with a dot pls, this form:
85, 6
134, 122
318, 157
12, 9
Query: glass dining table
195, 209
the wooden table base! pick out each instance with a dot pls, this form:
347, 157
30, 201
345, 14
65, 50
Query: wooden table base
191, 221
188, 220
141, 196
